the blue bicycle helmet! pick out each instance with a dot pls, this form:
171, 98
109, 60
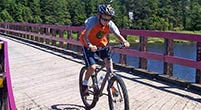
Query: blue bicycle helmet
106, 9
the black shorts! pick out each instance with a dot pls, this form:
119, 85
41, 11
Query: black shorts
89, 56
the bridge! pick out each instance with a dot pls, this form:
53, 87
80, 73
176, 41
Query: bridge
45, 76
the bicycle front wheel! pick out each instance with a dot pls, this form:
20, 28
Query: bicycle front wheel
90, 98
117, 94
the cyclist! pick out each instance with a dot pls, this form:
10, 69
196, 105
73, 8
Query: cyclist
95, 35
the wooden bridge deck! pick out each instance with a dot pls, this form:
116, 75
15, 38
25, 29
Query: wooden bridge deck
47, 80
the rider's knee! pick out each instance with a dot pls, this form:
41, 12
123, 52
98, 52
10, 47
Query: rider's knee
92, 67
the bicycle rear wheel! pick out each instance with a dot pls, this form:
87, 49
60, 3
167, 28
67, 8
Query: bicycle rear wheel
91, 98
117, 94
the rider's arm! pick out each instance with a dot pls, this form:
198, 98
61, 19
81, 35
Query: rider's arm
116, 32
93, 48
86, 37
89, 24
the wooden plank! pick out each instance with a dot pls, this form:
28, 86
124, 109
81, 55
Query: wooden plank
198, 106
190, 105
180, 104
169, 104
160, 103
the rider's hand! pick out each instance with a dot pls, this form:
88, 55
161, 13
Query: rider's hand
93, 48
126, 43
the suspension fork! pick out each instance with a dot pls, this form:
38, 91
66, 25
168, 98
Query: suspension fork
109, 67
95, 80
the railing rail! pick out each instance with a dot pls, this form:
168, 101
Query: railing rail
61, 36
6, 96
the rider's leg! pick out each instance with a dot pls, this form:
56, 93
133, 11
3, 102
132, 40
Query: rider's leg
90, 64
90, 71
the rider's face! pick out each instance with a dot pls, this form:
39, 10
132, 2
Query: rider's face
104, 19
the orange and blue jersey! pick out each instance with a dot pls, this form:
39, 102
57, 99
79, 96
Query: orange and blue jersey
95, 33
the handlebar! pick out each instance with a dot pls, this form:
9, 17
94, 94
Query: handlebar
111, 47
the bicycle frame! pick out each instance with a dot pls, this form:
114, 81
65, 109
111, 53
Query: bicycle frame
95, 90
107, 75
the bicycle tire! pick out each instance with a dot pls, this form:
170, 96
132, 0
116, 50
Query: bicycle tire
123, 94
84, 97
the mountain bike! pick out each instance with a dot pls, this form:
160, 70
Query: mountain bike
116, 88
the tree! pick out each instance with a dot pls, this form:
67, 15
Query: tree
77, 12
36, 10
195, 16
23, 2
90, 7
5, 16
21, 13
55, 12
143, 11
166, 11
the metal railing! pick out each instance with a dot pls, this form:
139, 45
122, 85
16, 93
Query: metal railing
62, 36
7, 101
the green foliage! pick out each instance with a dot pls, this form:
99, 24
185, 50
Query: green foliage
55, 12
158, 23
147, 14
5, 16
196, 16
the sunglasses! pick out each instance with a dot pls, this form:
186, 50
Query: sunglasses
104, 19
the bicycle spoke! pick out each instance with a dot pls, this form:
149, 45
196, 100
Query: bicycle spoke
119, 89
118, 98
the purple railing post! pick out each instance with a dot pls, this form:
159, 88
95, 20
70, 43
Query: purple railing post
11, 100
47, 32
32, 30
53, 35
123, 57
1, 26
168, 67
143, 48
36, 32
61, 35
42, 39
79, 49
198, 71
69, 37
14, 27
28, 30
6, 27
23, 29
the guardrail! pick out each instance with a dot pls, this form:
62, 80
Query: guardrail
62, 36
6, 93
